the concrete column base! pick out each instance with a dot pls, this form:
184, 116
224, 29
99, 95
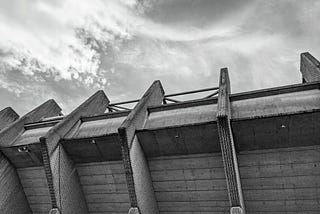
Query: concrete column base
236, 210
134, 210
54, 211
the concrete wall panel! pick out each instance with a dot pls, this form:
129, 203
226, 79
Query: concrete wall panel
281, 180
190, 183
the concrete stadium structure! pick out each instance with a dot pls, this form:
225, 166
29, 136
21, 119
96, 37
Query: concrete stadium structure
251, 152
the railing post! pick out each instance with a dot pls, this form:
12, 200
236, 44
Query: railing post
227, 145
141, 193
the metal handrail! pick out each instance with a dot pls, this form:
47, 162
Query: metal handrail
192, 92
165, 98
116, 107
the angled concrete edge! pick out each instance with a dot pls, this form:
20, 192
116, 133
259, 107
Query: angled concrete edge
7, 116
309, 67
138, 115
47, 109
138, 176
66, 194
227, 145
15, 196
94, 105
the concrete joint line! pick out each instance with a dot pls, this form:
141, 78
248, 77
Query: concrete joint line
48, 172
127, 166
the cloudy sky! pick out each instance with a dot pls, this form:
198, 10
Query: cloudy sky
68, 49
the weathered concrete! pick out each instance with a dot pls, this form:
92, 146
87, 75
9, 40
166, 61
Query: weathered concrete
190, 183
282, 180
229, 156
54, 211
12, 197
7, 116
277, 117
134, 211
236, 210
47, 109
137, 172
14, 200
105, 146
63, 181
309, 67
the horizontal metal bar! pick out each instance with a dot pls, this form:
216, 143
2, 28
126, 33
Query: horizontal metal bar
111, 109
192, 92
172, 100
125, 102
211, 95
120, 107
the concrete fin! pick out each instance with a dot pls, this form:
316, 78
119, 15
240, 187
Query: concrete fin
309, 67
12, 197
138, 176
7, 116
47, 109
62, 177
227, 144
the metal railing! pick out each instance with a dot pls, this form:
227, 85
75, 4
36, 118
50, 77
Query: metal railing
123, 106
116, 107
166, 98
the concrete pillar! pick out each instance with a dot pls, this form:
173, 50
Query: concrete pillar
12, 197
141, 193
309, 67
227, 145
62, 178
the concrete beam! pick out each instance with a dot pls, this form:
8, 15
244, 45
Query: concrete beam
227, 145
48, 109
12, 197
7, 116
309, 67
63, 181
141, 193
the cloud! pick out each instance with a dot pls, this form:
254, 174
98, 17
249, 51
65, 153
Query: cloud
68, 49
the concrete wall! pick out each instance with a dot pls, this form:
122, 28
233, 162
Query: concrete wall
12, 197
34, 183
281, 180
104, 187
69, 195
190, 183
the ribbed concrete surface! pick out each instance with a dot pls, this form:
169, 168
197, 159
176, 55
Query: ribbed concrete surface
190, 184
12, 197
104, 186
281, 180
35, 186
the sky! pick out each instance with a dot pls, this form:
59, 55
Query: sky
68, 49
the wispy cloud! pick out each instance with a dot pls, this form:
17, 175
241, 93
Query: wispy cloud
68, 49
